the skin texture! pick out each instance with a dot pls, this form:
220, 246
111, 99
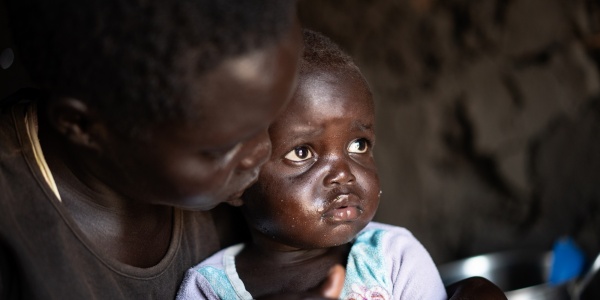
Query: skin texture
319, 188
113, 185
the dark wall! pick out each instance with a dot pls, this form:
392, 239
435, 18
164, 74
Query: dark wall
12, 74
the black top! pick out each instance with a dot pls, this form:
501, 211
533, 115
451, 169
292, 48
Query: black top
44, 255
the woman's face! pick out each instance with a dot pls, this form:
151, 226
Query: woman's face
320, 186
214, 159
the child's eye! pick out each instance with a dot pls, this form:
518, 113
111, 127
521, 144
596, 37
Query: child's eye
358, 146
299, 154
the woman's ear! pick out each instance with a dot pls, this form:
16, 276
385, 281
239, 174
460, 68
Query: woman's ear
75, 121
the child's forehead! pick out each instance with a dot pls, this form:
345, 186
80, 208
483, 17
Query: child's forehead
333, 85
324, 95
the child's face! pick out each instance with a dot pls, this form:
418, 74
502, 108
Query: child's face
320, 186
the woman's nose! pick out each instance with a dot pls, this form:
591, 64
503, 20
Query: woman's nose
257, 153
339, 173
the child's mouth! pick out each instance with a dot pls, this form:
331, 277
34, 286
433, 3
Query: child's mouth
343, 209
345, 213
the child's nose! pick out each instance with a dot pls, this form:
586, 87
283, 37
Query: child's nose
339, 173
257, 153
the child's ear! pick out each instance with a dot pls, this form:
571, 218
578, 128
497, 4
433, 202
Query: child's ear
74, 120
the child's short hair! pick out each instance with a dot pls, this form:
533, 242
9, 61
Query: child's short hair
320, 52
126, 57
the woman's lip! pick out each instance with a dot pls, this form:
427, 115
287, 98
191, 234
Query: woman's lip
235, 199
252, 179
344, 208
237, 195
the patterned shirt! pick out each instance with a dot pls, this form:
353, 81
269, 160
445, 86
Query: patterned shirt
385, 262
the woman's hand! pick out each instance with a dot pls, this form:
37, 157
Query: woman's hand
474, 288
333, 284
330, 288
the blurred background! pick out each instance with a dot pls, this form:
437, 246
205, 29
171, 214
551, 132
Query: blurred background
488, 115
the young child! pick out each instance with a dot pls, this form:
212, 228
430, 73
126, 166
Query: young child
314, 201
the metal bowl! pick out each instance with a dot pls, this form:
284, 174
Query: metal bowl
520, 274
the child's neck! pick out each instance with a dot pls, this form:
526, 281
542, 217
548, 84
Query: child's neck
268, 270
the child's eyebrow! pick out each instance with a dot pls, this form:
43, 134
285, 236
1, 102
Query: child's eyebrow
357, 125
306, 130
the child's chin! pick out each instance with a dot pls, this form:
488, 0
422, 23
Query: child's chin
345, 233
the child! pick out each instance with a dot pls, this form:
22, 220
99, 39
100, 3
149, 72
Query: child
314, 201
